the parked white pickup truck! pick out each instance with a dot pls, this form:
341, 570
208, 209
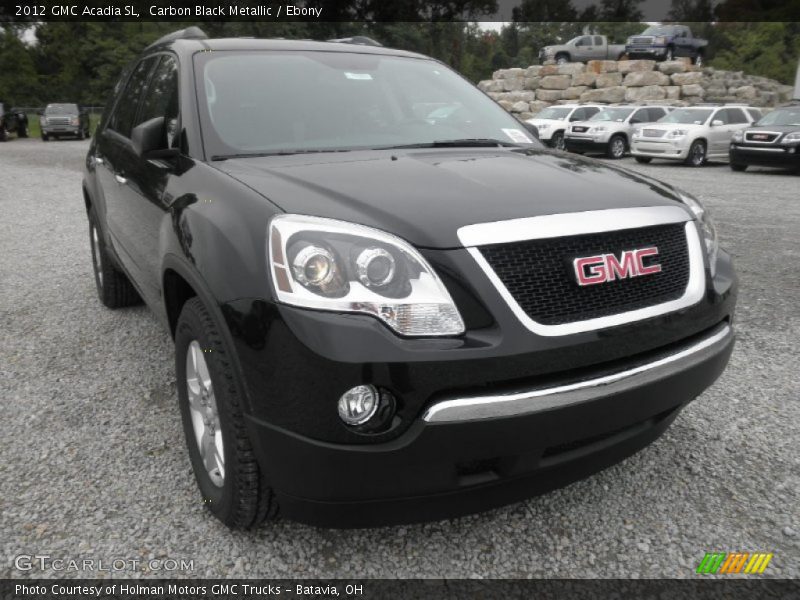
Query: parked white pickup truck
583, 48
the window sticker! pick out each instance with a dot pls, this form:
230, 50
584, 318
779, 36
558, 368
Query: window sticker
515, 135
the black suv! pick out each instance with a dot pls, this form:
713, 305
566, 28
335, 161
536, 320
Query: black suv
382, 317
12, 120
774, 141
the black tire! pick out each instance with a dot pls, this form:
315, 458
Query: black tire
244, 499
697, 154
562, 58
698, 60
22, 131
45, 137
3, 134
80, 135
558, 141
643, 159
113, 287
670, 55
735, 167
617, 147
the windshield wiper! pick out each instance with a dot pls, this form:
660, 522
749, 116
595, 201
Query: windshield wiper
462, 143
275, 153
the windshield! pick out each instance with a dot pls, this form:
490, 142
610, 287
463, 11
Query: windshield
612, 114
782, 116
61, 109
687, 116
555, 113
283, 102
659, 30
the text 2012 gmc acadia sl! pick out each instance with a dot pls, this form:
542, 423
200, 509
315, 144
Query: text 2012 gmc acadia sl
389, 302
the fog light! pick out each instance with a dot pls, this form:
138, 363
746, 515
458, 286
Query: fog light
359, 404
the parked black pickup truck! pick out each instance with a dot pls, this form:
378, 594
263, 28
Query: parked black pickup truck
12, 121
380, 318
666, 42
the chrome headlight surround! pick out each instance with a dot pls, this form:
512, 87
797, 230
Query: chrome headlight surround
791, 138
706, 227
409, 298
676, 134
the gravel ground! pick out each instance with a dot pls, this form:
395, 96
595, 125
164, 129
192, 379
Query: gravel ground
93, 461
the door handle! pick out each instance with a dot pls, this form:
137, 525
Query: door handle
120, 179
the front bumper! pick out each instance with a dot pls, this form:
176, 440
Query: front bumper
586, 144
768, 156
296, 363
652, 52
660, 148
473, 453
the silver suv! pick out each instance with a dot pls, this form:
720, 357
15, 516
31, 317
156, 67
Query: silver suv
609, 131
693, 134
552, 122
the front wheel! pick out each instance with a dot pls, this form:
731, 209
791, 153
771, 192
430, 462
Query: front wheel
45, 137
231, 482
670, 55
697, 154
558, 141
735, 167
617, 147
643, 159
562, 59
698, 60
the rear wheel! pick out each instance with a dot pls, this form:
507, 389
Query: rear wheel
697, 154
643, 159
735, 167
113, 287
231, 482
617, 146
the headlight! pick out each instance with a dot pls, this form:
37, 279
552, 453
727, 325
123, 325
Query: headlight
337, 266
738, 136
792, 137
637, 132
707, 229
75, 121
676, 133
660, 39
598, 129
542, 126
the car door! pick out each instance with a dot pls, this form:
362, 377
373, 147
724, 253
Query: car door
737, 119
719, 132
584, 48
143, 192
111, 143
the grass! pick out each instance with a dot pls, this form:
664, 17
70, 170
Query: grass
34, 130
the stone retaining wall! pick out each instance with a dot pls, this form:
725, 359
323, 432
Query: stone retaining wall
525, 92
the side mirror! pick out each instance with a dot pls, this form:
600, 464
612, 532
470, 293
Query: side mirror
149, 140
716, 123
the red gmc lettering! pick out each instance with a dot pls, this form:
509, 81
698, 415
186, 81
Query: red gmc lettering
591, 270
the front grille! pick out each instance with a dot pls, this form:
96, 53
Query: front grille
580, 129
653, 133
58, 120
762, 137
645, 41
539, 274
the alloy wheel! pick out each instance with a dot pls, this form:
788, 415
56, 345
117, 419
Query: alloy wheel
204, 414
617, 147
698, 154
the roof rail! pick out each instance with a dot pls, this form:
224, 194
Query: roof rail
360, 40
190, 33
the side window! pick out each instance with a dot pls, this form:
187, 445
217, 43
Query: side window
755, 114
640, 116
579, 114
125, 111
584, 41
598, 41
656, 113
721, 115
590, 111
161, 99
736, 115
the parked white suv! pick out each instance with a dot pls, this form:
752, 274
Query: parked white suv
553, 121
693, 134
609, 131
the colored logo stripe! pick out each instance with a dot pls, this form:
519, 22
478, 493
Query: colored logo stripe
734, 562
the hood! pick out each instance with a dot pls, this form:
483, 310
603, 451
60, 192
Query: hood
535, 121
775, 128
426, 196
671, 126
